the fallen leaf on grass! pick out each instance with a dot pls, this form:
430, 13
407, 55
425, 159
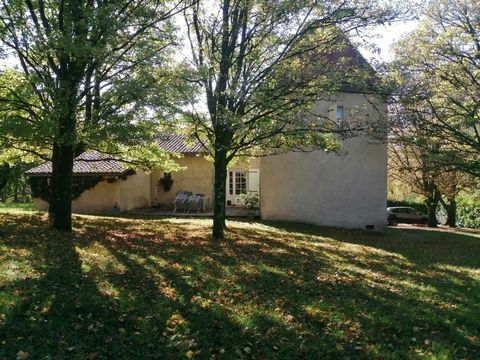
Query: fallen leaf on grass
22, 355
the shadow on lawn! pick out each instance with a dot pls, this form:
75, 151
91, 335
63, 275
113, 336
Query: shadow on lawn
272, 291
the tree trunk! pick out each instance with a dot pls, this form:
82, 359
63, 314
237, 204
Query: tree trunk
432, 204
66, 104
451, 209
63, 189
220, 165
53, 184
96, 98
432, 213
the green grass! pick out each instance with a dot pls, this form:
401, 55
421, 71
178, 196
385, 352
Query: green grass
160, 289
15, 207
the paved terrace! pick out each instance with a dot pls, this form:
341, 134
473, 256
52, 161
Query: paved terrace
231, 211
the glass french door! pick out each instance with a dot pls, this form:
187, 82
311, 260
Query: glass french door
236, 185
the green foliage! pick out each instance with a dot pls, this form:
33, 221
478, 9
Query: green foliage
40, 185
259, 67
468, 213
438, 67
468, 210
250, 200
10, 207
15, 187
114, 55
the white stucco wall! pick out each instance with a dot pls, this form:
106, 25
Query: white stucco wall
324, 188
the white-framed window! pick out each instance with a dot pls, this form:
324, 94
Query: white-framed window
340, 114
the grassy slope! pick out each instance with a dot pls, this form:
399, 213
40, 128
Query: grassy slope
120, 288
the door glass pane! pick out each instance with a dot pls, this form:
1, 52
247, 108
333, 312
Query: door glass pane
240, 182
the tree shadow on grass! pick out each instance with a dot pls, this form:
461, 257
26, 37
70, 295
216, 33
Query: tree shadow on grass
203, 294
395, 292
283, 303
59, 312
161, 289
64, 312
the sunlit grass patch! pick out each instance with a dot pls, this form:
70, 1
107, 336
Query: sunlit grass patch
15, 207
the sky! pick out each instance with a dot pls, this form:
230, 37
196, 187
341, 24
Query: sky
384, 36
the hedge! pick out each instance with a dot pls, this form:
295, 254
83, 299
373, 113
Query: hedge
468, 211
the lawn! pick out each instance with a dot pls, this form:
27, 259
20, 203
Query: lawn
160, 289
15, 207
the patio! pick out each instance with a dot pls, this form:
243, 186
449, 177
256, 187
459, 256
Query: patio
231, 211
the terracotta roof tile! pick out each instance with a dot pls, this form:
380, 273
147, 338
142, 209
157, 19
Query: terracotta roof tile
95, 163
88, 163
175, 143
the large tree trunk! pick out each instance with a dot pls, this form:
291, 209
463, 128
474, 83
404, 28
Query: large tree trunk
63, 189
220, 165
452, 214
432, 204
432, 199
432, 213
64, 160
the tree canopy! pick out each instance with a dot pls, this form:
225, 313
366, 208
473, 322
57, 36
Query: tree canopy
260, 66
90, 77
440, 62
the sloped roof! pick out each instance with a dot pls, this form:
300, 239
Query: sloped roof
349, 57
176, 143
95, 163
88, 163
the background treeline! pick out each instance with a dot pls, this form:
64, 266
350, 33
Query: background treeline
14, 186
468, 210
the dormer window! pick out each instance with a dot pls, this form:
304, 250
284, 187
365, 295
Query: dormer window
340, 114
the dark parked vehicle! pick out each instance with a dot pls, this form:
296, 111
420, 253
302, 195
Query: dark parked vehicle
401, 214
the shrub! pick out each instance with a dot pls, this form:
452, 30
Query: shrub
468, 213
249, 200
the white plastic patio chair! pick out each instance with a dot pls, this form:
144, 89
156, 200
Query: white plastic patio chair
194, 203
180, 202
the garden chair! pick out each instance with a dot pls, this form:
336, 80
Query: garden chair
194, 203
202, 201
180, 202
